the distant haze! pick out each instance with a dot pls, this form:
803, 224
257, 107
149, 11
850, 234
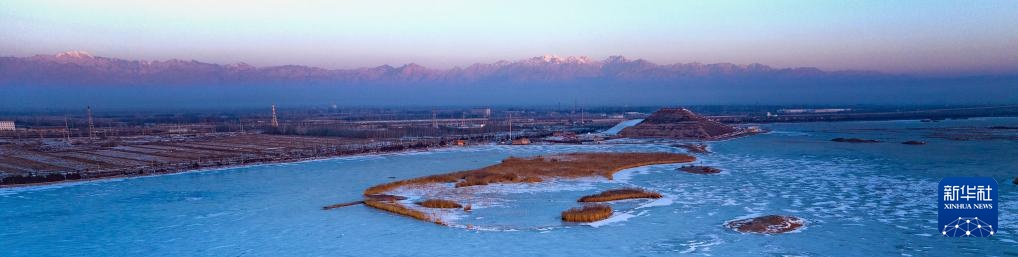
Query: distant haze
926, 38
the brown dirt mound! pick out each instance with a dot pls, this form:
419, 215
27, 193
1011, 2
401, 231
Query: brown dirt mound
700, 169
770, 224
678, 123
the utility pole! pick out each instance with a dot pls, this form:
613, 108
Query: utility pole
572, 116
581, 115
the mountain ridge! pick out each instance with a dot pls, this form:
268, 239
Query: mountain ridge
79, 67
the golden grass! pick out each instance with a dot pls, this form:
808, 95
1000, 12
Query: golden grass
619, 194
384, 197
382, 188
589, 213
485, 178
439, 203
530, 170
524, 170
397, 208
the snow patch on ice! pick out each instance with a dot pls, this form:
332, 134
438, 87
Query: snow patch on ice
617, 217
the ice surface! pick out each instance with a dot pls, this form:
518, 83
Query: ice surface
874, 199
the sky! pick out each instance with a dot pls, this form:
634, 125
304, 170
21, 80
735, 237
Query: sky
904, 36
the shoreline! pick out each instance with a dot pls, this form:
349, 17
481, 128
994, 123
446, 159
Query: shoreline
205, 169
187, 170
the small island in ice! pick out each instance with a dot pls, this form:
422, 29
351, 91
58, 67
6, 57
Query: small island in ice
519, 170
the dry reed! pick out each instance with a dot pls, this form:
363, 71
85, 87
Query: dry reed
619, 194
386, 198
527, 170
589, 213
402, 210
339, 205
530, 170
439, 203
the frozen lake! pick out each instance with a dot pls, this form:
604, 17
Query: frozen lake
858, 199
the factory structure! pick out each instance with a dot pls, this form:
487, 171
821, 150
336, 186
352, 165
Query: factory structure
7, 125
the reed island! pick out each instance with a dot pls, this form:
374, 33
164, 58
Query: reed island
522, 170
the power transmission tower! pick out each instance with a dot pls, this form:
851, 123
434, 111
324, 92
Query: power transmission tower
434, 119
581, 115
67, 132
91, 124
510, 127
275, 120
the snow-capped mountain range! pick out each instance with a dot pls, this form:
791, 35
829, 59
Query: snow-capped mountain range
78, 67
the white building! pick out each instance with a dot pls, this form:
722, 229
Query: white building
6, 125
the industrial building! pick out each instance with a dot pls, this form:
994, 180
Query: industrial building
7, 125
